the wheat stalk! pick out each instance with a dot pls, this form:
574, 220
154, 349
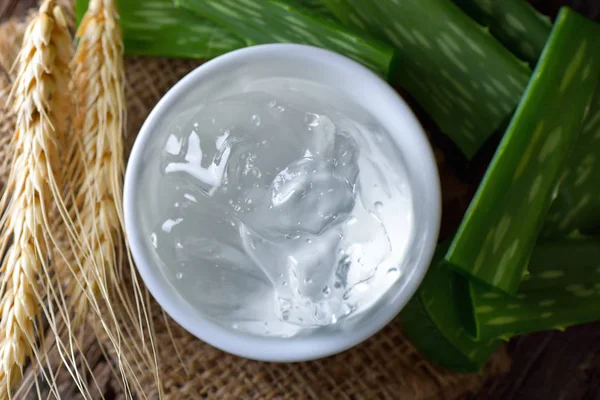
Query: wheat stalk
39, 106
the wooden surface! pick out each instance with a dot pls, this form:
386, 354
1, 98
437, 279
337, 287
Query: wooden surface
551, 366
548, 365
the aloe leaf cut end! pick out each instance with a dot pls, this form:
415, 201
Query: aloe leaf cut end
499, 231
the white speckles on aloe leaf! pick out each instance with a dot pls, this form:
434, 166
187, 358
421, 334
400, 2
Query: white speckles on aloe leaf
536, 144
315, 6
551, 274
535, 189
500, 232
559, 291
577, 204
346, 14
550, 144
433, 322
514, 23
478, 73
158, 28
574, 67
502, 320
292, 24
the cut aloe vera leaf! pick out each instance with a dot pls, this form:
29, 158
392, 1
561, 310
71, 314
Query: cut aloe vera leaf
562, 290
502, 224
577, 205
268, 21
462, 76
432, 322
158, 28
515, 23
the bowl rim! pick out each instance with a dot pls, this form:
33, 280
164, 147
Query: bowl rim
300, 347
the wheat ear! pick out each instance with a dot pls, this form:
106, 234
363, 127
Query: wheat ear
98, 81
98, 184
39, 107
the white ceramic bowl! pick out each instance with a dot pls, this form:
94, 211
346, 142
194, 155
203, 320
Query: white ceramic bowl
360, 86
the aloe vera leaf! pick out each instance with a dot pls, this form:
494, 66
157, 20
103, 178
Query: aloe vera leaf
515, 23
432, 322
562, 290
268, 21
158, 28
501, 226
345, 12
462, 76
317, 7
577, 205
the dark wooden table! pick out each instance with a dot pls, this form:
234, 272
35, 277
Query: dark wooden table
547, 365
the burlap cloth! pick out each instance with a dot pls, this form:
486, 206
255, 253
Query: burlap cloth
386, 366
